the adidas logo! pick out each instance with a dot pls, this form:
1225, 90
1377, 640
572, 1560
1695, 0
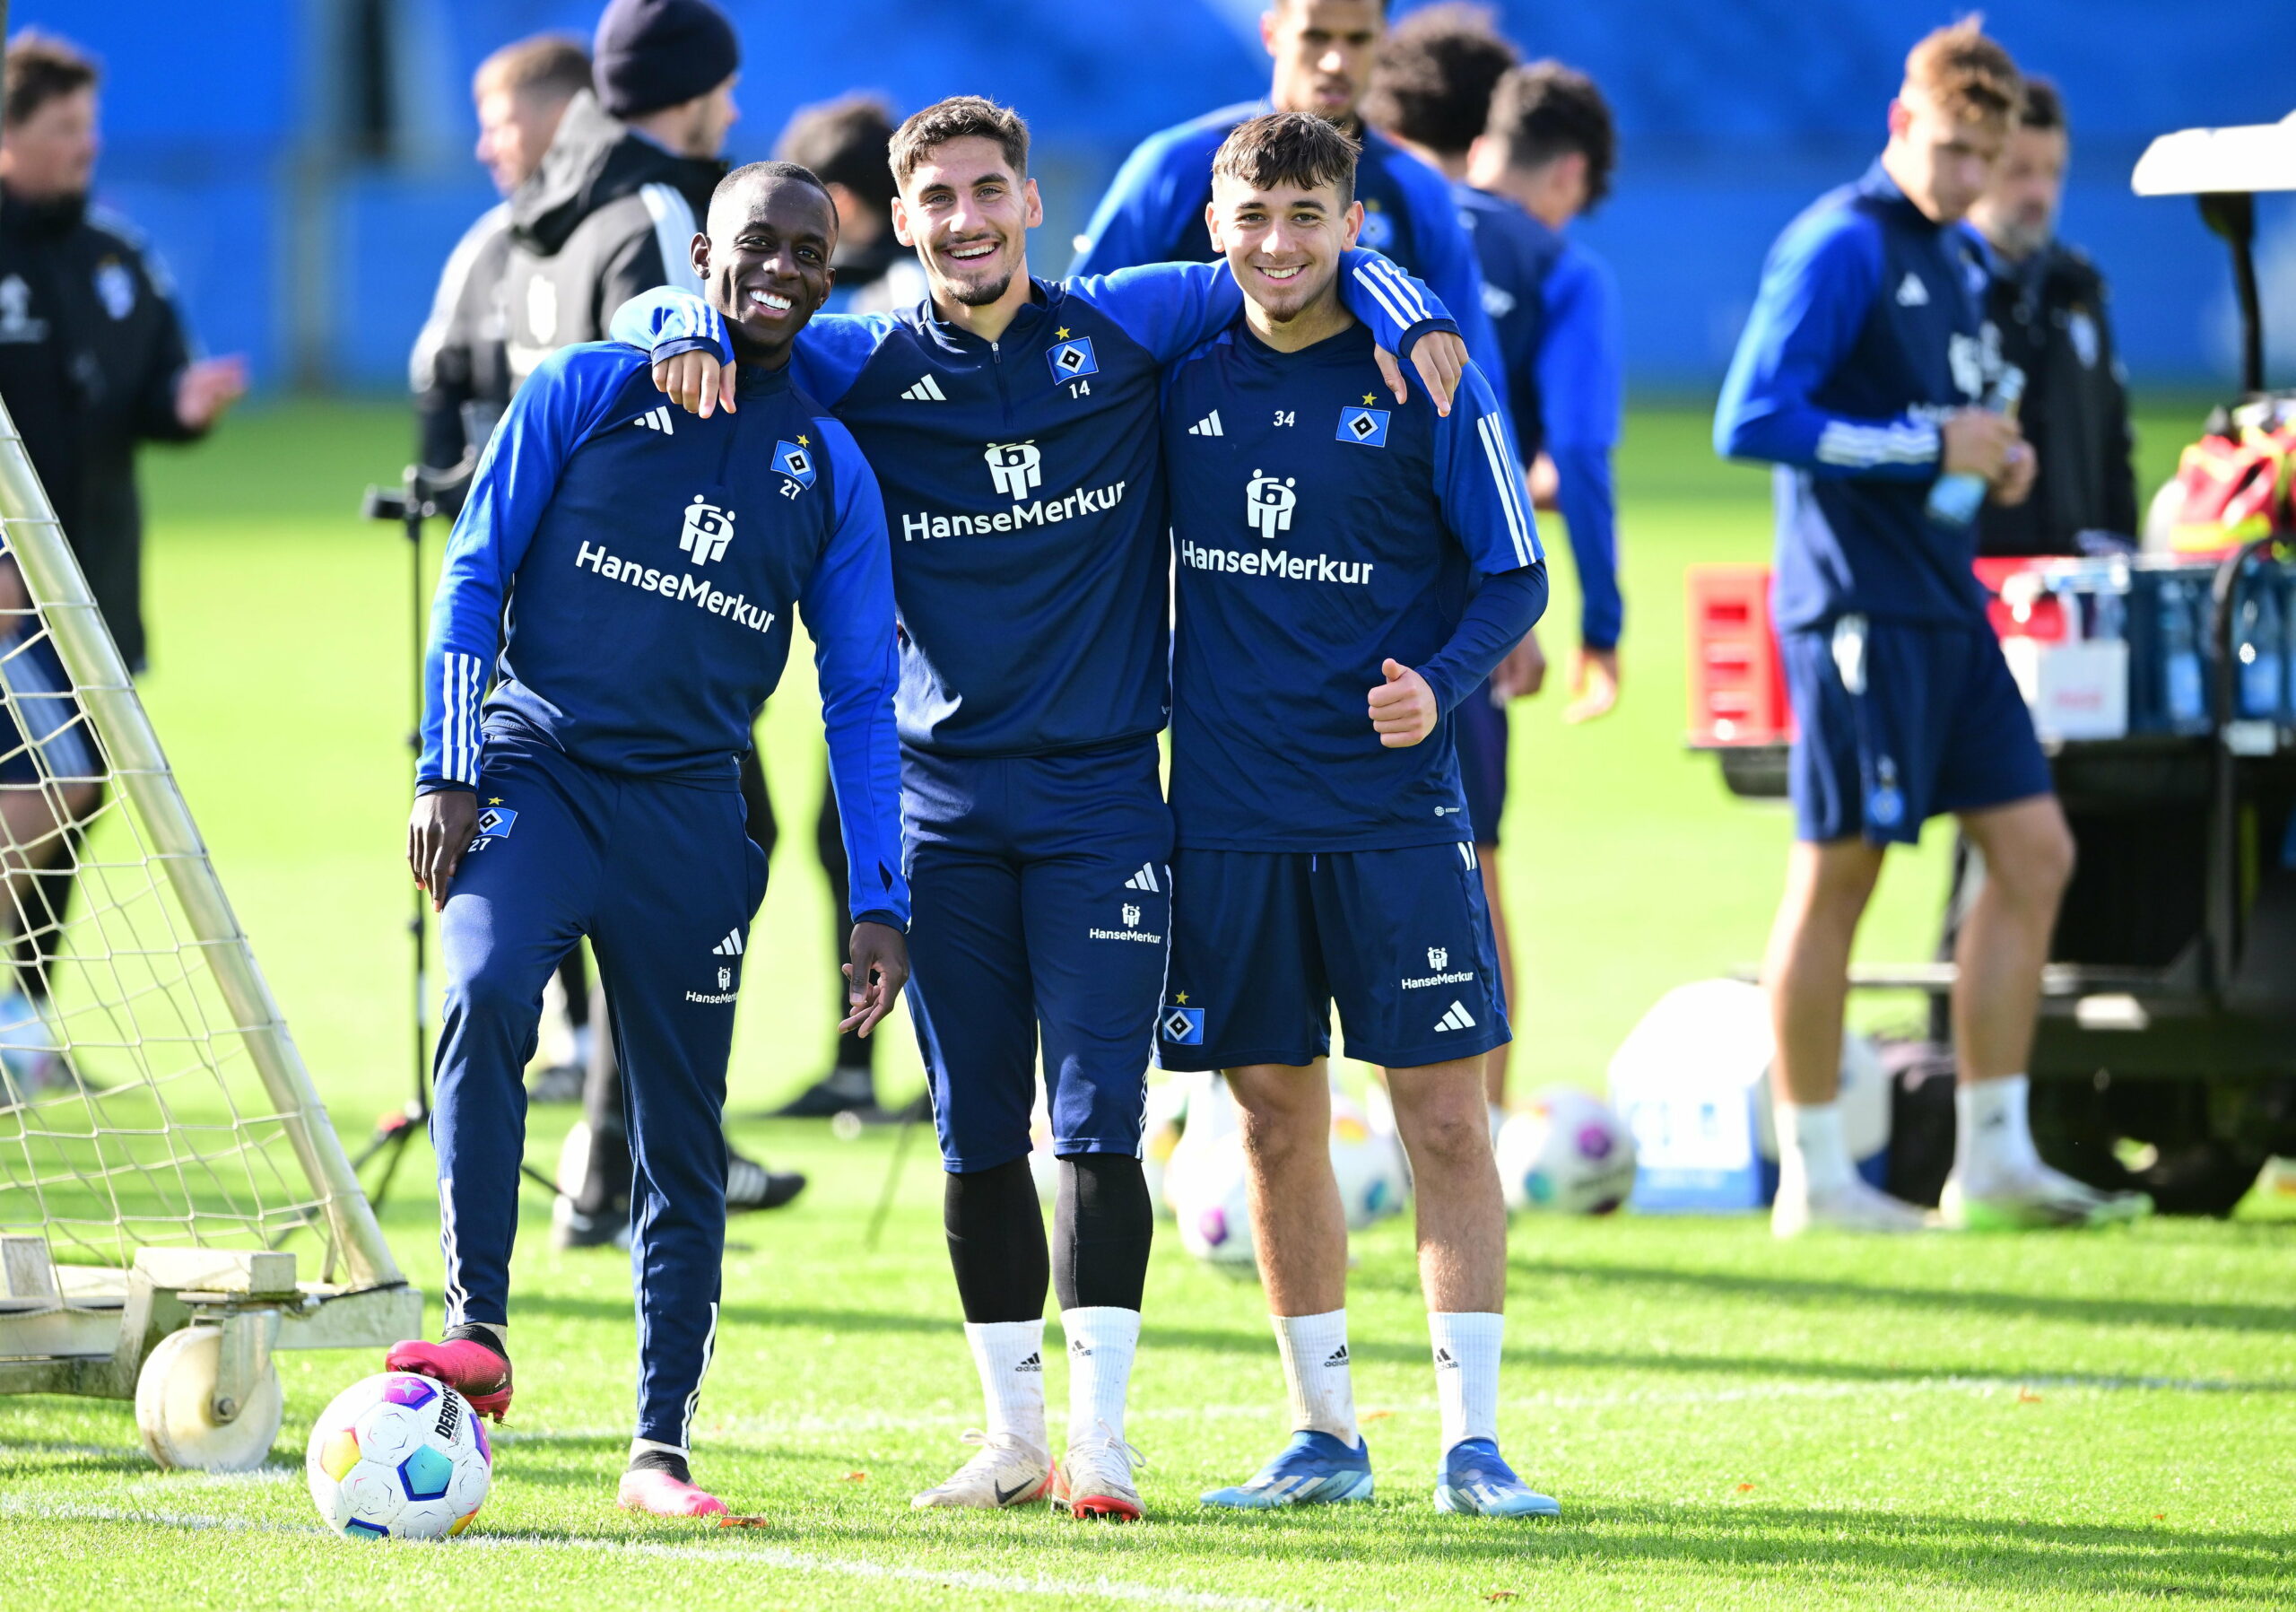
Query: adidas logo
1337, 1356
1080, 1348
1209, 426
927, 390
1443, 1358
731, 947
1145, 879
1034, 1363
1455, 1017
657, 418
1911, 291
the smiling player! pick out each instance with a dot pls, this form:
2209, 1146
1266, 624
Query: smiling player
646, 565
1325, 853
1013, 422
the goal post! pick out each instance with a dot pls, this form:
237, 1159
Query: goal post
163, 1152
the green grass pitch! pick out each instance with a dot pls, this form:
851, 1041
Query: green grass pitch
2028, 1423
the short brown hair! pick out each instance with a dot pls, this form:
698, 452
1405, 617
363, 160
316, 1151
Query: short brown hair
42, 68
552, 66
2044, 107
844, 141
1969, 76
958, 118
1289, 148
1435, 77
1543, 110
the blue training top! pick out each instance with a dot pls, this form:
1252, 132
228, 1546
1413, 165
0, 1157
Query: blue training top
1867, 331
1554, 305
1154, 212
625, 572
1321, 530
1024, 487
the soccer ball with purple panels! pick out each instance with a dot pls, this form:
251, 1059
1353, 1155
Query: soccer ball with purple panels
398, 1457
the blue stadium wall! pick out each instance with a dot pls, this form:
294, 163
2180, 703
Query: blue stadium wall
226, 141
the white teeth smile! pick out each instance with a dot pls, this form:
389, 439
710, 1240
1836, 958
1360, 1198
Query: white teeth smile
779, 304
968, 254
1283, 273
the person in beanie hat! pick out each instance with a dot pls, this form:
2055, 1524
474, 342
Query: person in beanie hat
650, 55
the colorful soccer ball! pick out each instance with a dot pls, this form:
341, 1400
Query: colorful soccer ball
398, 1457
1566, 1154
1207, 1189
1368, 1164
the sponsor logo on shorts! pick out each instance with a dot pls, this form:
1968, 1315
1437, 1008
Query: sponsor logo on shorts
496, 820
1455, 1017
1441, 977
1131, 930
1438, 957
1182, 1027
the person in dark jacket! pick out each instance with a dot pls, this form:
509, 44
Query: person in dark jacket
94, 357
2048, 301
612, 211
459, 373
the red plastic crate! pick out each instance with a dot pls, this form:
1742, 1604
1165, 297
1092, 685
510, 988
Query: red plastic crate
1737, 688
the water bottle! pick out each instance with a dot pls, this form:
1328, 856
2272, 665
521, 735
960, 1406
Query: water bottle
1953, 499
2187, 697
2259, 646
2108, 622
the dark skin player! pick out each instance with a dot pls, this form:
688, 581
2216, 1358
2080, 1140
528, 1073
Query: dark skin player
764, 264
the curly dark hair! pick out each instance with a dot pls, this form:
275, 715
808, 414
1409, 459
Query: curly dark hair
1543, 110
1289, 148
1435, 76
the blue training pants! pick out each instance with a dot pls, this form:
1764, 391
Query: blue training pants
662, 879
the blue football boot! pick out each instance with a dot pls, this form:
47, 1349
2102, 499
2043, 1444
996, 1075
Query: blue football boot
1477, 1481
1314, 1469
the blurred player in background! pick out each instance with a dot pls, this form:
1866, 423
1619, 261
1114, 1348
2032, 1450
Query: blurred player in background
1348, 577
1324, 51
94, 359
634, 584
2047, 301
460, 374
845, 143
1861, 376
1014, 423
1527, 150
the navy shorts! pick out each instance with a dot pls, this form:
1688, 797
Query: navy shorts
1265, 942
1478, 728
1041, 903
1900, 722
43, 732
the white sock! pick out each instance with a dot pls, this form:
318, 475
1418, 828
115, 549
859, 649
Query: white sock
1316, 1374
1811, 1147
1101, 1342
1993, 1140
639, 1447
495, 1331
1466, 1371
1010, 1358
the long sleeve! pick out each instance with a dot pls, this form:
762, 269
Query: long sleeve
1816, 291
1170, 308
438, 371
847, 605
1142, 217
1581, 392
1481, 489
172, 353
1447, 259
828, 357
562, 402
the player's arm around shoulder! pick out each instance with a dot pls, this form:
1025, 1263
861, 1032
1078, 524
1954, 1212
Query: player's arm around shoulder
847, 604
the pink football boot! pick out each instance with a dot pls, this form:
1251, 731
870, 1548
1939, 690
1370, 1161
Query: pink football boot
465, 1364
666, 1495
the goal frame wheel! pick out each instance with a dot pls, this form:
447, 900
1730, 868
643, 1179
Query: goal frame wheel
202, 1403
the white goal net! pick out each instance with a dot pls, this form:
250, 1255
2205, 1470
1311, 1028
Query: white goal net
149, 1096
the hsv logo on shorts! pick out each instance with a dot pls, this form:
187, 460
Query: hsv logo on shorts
496, 820
1182, 1027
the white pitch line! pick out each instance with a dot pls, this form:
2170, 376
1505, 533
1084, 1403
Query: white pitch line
769, 1556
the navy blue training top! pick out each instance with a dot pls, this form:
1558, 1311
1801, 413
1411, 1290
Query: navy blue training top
624, 573
1321, 530
1554, 305
1024, 487
1154, 212
1867, 331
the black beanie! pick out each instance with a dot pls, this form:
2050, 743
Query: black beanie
651, 54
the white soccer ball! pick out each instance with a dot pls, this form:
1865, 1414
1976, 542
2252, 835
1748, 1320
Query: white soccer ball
1368, 1164
1208, 1201
1566, 1154
398, 1457
1167, 1104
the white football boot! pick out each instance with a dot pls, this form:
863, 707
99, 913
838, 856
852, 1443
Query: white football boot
2033, 1198
1095, 1479
1851, 1207
1005, 1473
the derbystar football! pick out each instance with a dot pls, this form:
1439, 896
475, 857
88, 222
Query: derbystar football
398, 1457
1566, 1154
1367, 1164
1207, 1187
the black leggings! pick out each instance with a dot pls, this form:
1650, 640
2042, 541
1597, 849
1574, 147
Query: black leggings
1102, 1225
